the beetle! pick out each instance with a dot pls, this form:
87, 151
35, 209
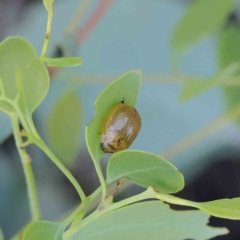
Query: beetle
119, 127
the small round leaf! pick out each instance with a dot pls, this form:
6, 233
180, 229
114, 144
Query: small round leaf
63, 62
145, 169
23, 73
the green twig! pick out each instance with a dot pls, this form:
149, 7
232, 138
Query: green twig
89, 201
47, 35
77, 16
174, 200
95, 194
101, 178
80, 210
22, 118
41, 144
26, 162
150, 193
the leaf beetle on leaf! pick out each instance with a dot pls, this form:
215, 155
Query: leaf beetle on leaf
119, 127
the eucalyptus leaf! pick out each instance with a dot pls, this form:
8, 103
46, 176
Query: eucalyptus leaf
127, 87
229, 52
63, 62
22, 73
223, 208
194, 87
40, 230
200, 20
145, 169
63, 127
149, 220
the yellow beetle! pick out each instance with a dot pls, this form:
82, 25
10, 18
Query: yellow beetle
119, 128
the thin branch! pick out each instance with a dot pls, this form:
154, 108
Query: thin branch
84, 32
77, 16
202, 133
26, 163
150, 78
47, 35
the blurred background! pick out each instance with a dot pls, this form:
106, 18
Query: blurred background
181, 55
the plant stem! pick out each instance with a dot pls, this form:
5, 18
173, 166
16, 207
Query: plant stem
80, 209
22, 119
79, 213
26, 163
103, 183
47, 36
41, 144
93, 20
200, 134
174, 200
95, 194
77, 16
149, 193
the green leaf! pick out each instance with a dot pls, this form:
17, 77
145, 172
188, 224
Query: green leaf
229, 49
44, 230
48, 4
149, 220
63, 62
22, 73
63, 126
145, 169
1, 235
127, 87
223, 208
193, 87
229, 52
200, 20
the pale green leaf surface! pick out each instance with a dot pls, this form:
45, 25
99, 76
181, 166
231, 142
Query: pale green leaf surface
63, 127
44, 230
48, 4
229, 52
150, 220
145, 169
194, 87
1, 235
20, 63
200, 20
223, 208
127, 87
63, 62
